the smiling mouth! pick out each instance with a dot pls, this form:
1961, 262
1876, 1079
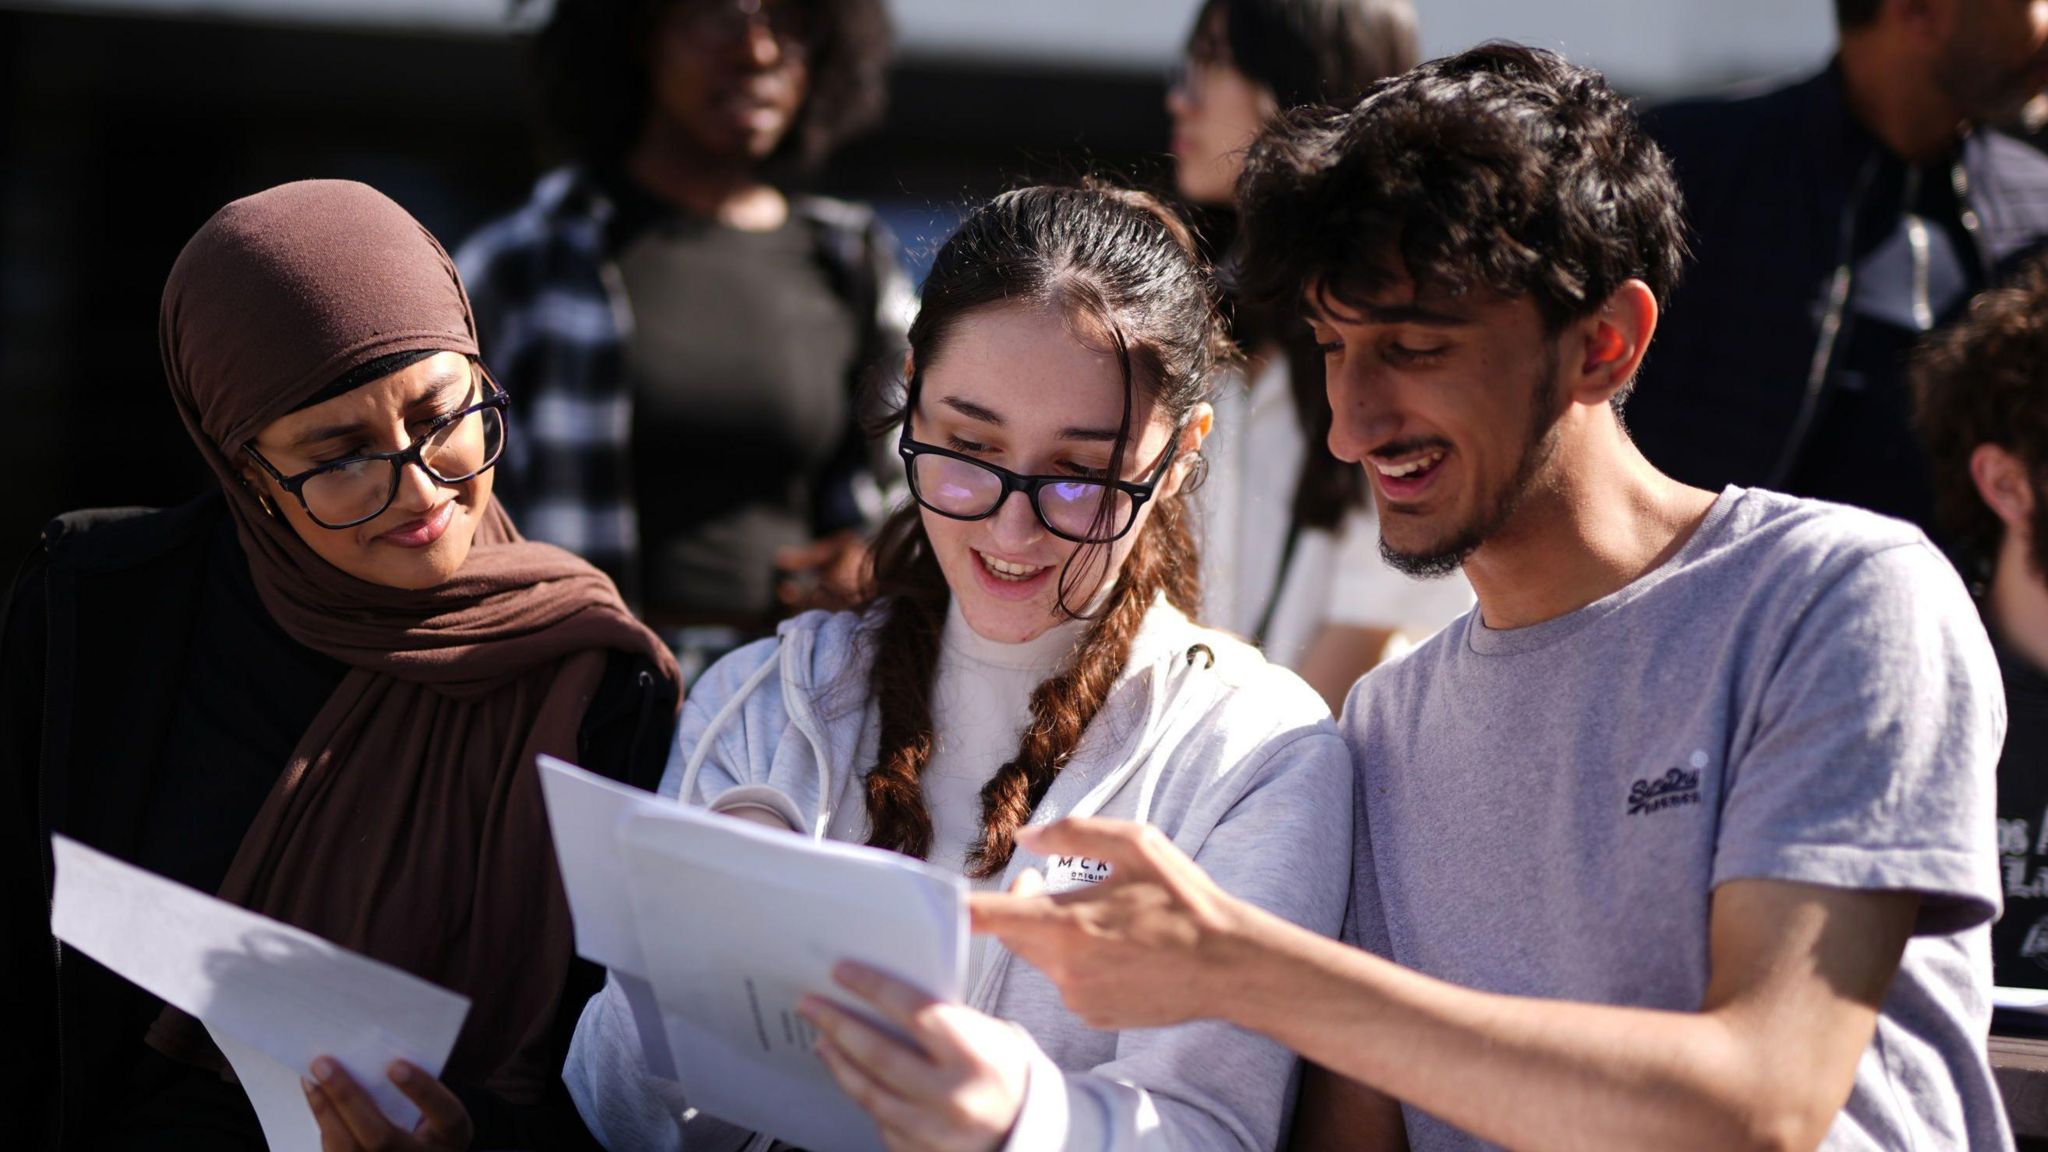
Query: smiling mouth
1005, 571
1412, 466
1405, 475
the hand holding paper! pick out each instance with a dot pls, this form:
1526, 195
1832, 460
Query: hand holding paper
726, 927
272, 996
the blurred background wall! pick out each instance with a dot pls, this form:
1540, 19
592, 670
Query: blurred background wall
125, 123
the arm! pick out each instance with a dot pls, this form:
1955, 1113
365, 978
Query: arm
1798, 972
1798, 976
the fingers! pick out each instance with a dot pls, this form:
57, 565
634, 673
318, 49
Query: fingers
1011, 917
880, 1058
1124, 844
896, 1117
358, 1122
1030, 882
334, 1134
443, 1119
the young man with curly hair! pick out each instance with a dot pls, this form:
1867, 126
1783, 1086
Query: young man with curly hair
1683, 838
1982, 393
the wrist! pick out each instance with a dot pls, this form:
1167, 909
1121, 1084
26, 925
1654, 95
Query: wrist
1242, 962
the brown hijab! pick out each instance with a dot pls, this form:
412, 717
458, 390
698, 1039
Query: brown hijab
408, 824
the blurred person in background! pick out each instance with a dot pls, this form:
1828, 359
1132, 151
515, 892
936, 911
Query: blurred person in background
317, 690
687, 337
1290, 551
1981, 389
1834, 223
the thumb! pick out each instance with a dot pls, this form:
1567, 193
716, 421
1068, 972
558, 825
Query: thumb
1029, 882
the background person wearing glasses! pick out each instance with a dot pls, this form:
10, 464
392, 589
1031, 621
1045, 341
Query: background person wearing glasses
686, 336
317, 690
1290, 551
1025, 654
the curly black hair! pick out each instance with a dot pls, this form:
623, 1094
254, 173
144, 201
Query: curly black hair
1984, 380
595, 84
1503, 167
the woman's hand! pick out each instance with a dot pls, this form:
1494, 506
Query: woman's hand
957, 1088
350, 1121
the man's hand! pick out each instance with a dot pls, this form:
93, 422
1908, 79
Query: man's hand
351, 1122
1150, 946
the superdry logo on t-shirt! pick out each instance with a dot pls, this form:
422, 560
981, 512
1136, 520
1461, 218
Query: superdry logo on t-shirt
1674, 789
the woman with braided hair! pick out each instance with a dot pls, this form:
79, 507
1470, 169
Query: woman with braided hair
1026, 653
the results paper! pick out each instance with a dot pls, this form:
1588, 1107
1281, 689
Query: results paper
273, 997
734, 924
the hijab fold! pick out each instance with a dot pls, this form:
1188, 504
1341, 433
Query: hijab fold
408, 824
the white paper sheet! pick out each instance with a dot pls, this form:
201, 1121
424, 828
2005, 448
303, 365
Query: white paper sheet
586, 813
274, 997
734, 924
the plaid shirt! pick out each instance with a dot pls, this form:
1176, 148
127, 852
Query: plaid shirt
553, 321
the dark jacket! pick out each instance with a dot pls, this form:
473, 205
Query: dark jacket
93, 640
1728, 393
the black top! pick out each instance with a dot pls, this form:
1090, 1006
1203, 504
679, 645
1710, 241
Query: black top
741, 362
1784, 189
2019, 941
148, 703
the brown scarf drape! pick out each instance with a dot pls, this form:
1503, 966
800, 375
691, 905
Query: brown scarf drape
408, 824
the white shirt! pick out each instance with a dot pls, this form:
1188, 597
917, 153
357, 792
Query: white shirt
1242, 513
981, 701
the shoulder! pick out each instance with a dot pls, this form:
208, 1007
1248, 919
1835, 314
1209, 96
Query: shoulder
823, 651
1806, 542
562, 199
1711, 138
107, 539
1245, 691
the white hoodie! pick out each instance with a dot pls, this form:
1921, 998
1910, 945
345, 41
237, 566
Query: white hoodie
1235, 759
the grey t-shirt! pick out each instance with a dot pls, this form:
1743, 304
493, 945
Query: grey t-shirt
1803, 692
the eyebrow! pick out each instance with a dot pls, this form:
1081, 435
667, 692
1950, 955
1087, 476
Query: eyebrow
1389, 314
973, 411
435, 389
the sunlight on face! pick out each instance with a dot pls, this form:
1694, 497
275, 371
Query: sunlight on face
424, 536
1015, 386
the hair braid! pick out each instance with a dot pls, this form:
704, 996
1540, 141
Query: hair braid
1125, 265
1062, 707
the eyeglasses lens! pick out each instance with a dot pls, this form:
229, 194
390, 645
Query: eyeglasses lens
1075, 510
955, 487
363, 488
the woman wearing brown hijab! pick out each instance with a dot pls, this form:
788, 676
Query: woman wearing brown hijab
319, 690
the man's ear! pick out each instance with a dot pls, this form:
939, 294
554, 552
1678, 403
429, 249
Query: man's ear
1610, 344
2003, 483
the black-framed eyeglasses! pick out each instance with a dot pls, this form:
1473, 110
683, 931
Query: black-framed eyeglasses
1079, 509
356, 489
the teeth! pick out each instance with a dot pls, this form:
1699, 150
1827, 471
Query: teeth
1409, 468
1005, 570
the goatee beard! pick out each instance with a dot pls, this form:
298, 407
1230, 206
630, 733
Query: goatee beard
1537, 448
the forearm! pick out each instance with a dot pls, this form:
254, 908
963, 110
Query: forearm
1529, 1074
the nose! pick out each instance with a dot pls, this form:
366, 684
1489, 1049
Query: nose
1359, 416
1178, 104
763, 50
1015, 525
417, 491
